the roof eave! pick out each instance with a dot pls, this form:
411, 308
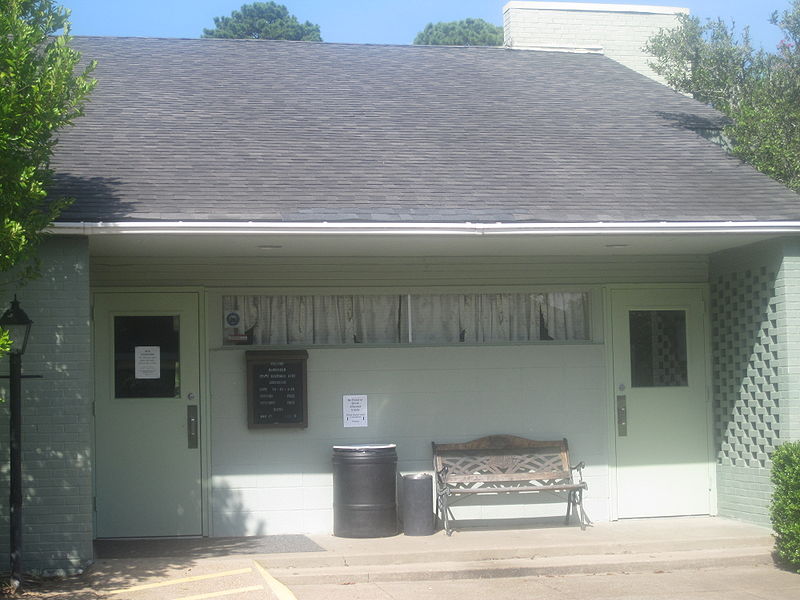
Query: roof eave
398, 228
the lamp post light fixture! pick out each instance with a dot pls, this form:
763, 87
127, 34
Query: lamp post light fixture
16, 322
18, 326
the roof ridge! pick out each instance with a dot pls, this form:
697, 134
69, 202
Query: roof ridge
276, 42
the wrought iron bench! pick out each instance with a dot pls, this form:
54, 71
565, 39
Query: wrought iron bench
499, 464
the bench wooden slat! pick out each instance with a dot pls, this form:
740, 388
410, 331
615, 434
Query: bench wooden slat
493, 442
535, 488
477, 477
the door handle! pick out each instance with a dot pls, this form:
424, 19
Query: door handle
622, 416
191, 425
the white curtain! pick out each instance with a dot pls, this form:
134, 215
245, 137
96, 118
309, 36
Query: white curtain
565, 315
315, 320
495, 318
435, 319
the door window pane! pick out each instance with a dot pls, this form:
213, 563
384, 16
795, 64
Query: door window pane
147, 357
658, 348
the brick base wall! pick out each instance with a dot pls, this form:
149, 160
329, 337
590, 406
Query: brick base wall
56, 415
744, 493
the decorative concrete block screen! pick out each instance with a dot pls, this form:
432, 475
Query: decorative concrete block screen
746, 360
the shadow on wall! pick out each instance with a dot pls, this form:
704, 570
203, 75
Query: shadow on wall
229, 516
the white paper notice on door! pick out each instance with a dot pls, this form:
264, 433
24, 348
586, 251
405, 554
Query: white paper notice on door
354, 409
147, 362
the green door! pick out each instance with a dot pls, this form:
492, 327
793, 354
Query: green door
147, 387
661, 403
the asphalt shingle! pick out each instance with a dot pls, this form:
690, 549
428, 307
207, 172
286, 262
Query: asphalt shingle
245, 130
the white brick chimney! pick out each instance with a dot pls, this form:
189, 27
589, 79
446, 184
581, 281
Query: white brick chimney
617, 30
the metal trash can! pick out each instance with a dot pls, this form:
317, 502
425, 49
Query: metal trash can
365, 490
417, 505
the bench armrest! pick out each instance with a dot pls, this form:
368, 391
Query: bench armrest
579, 468
441, 478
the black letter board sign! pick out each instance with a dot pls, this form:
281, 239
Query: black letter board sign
276, 389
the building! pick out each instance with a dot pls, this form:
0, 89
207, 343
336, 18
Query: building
478, 240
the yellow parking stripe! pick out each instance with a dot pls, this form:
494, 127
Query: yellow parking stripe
150, 586
252, 588
281, 591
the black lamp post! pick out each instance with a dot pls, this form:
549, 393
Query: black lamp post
18, 325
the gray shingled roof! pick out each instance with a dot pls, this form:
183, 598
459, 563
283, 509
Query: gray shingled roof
239, 130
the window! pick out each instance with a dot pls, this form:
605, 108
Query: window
147, 357
402, 319
658, 348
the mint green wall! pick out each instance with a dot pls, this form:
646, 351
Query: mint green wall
56, 414
326, 272
790, 287
279, 481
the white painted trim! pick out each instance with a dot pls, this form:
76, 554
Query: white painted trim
712, 451
474, 229
206, 484
611, 403
201, 296
571, 49
611, 391
584, 6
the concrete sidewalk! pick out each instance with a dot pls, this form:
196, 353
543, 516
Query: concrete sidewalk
713, 557
624, 546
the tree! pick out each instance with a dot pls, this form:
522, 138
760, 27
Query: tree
263, 21
42, 89
468, 32
759, 91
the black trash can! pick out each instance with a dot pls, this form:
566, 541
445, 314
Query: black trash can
417, 506
365, 490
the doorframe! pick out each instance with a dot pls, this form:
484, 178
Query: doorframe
611, 409
205, 400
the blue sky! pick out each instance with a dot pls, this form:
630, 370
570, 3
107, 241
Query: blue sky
363, 21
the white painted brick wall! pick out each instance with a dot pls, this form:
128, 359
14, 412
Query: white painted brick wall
57, 505
621, 32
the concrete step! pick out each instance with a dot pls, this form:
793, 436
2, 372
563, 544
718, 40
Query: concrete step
385, 553
348, 573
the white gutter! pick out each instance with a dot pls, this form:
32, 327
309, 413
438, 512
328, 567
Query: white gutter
475, 229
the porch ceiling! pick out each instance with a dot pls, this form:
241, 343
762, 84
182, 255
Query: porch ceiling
199, 244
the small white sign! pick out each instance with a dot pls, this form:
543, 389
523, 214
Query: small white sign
354, 409
147, 362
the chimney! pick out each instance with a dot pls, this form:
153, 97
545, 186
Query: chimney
617, 30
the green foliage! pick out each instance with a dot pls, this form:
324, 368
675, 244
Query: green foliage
469, 32
758, 90
785, 509
263, 21
40, 92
